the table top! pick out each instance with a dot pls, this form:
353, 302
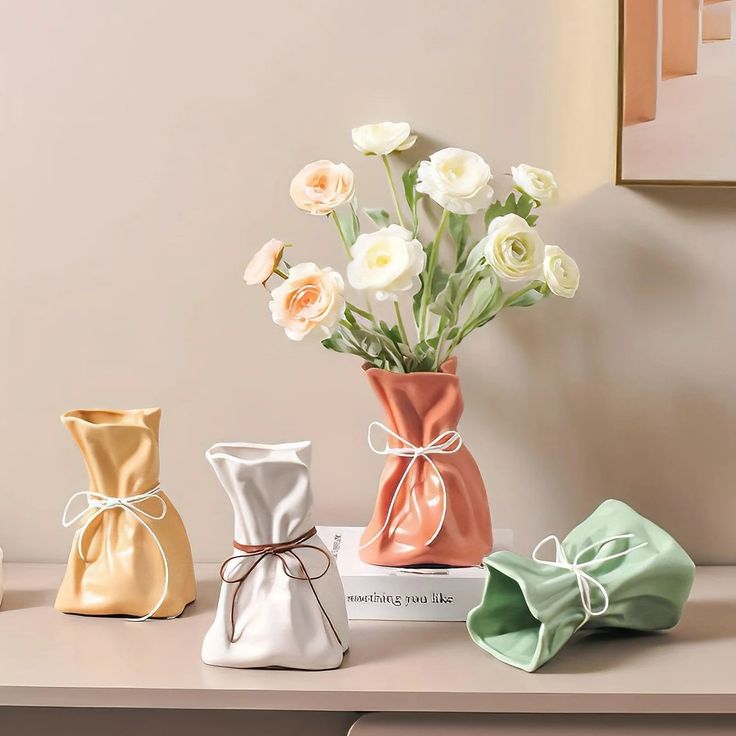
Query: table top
52, 659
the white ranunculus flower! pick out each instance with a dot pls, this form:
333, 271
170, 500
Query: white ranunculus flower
457, 180
560, 272
539, 184
379, 139
387, 263
514, 249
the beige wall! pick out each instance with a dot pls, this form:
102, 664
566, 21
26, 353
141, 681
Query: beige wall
146, 150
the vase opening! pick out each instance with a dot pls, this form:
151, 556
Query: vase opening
111, 417
249, 452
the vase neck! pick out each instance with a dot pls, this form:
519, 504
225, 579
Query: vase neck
119, 448
268, 487
418, 406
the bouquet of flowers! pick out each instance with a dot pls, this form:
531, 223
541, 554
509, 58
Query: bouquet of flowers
431, 300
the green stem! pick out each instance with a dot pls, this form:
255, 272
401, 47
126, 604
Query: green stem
431, 266
348, 335
400, 322
391, 184
367, 314
398, 360
459, 337
362, 312
279, 272
453, 346
451, 349
512, 297
458, 256
441, 331
392, 352
335, 219
369, 308
438, 355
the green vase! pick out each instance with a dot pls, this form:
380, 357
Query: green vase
615, 569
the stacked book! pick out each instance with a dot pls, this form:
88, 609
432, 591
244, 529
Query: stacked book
405, 594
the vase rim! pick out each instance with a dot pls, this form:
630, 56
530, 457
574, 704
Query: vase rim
448, 368
221, 448
109, 417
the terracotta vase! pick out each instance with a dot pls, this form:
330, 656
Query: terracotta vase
432, 507
130, 554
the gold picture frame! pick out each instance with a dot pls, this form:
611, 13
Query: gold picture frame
649, 181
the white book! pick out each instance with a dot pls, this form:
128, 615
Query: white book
405, 594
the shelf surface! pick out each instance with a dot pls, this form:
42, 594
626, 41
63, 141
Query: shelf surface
51, 659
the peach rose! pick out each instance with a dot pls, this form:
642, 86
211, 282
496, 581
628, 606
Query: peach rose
322, 186
311, 298
264, 262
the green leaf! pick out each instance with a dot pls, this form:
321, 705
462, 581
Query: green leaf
392, 333
368, 342
339, 342
499, 209
476, 255
426, 365
522, 206
422, 349
333, 342
459, 228
381, 343
447, 304
417, 302
460, 231
409, 179
380, 217
528, 298
425, 354
439, 281
487, 301
348, 219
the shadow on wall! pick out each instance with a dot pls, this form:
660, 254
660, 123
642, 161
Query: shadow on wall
632, 395
700, 202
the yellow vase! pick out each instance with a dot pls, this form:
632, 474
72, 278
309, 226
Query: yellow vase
131, 554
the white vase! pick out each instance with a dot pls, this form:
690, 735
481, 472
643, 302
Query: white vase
282, 602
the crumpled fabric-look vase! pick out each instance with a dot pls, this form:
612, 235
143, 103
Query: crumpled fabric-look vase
281, 602
431, 510
121, 569
532, 607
